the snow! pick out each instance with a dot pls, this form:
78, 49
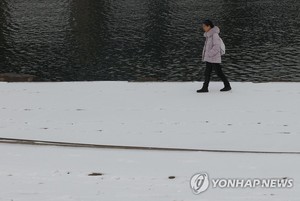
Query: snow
253, 116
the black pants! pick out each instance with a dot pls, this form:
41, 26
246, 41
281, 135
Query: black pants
218, 69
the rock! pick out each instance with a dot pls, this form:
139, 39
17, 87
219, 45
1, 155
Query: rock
14, 77
95, 174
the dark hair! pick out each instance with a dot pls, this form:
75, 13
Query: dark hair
208, 22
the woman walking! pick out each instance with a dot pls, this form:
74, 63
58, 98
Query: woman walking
212, 56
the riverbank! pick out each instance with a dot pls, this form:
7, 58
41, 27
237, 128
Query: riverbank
252, 117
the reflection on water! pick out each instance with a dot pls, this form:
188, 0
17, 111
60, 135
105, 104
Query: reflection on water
148, 39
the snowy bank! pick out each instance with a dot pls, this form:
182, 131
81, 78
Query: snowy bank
251, 117
261, 117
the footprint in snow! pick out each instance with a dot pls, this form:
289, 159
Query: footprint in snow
285, 133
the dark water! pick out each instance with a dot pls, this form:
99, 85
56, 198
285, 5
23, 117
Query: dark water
148, 39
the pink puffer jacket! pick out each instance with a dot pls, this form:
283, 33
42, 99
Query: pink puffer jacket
212, 48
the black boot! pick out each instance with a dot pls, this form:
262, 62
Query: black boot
218, 69
207, 74
203, 90
226, 88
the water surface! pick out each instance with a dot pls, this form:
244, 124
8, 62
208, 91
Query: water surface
73, 40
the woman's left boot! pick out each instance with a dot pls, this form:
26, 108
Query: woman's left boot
204, 89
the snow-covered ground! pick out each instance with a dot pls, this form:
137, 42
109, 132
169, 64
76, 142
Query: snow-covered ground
260, 117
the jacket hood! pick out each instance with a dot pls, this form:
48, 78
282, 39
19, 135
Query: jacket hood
212, 31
